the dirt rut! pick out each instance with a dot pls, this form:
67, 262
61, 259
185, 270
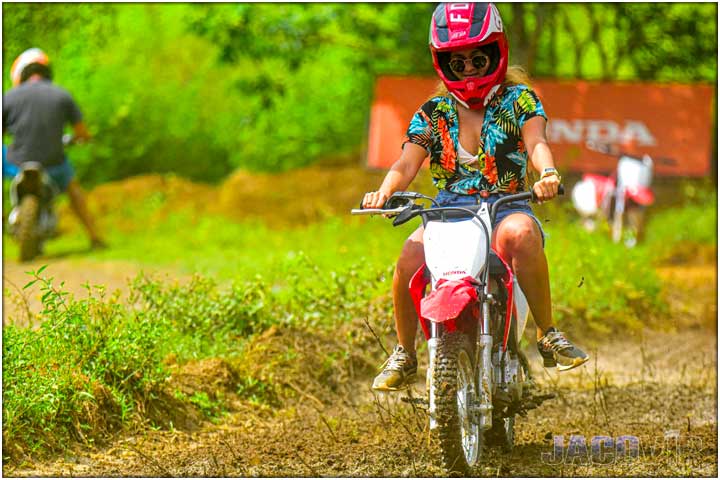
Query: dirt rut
660, 389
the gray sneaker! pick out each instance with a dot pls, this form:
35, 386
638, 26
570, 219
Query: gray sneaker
399, 371
557, 350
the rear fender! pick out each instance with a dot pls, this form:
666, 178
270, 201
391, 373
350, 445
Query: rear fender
26, 181
32, 180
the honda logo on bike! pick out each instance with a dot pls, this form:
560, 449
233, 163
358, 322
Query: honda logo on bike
602, 131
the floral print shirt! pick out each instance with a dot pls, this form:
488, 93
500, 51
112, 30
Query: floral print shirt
502, 158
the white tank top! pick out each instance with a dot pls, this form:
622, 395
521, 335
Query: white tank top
464, 157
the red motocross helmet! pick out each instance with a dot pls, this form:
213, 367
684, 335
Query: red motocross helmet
459, 26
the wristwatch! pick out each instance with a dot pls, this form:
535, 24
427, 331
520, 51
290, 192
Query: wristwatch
549, 171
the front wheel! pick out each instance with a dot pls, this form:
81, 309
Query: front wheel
634, 223
454, 393
27, 236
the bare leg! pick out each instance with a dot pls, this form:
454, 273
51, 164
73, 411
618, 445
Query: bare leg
519, 241
79, 206
411, 258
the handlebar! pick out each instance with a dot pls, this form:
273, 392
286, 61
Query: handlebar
410, 210
516, 197
376, 211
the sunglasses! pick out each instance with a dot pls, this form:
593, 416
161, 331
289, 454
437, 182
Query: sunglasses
479, 61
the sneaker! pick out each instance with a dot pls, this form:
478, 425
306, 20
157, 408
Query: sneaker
399, 371
556, 350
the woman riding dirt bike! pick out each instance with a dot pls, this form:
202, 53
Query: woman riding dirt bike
478, 379
35, 113
481, 106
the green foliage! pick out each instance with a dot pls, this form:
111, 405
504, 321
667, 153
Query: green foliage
198, 317
86, 354
317, 297
615, 41
201, 89
679, 233
92, 363
598, 285
211, 408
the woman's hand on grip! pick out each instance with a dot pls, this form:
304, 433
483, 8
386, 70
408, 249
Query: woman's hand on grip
546, 188
374, 199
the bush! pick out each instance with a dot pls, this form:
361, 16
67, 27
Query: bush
92, 365
199, 319
80, 374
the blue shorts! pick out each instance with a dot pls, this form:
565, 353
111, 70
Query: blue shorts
450, 199
60, 174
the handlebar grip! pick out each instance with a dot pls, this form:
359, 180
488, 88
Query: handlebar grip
561, 191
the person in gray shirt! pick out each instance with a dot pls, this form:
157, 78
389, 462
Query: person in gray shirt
35, 112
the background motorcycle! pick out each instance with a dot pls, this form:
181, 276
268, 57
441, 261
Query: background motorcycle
620, 198
32, 219
478, 379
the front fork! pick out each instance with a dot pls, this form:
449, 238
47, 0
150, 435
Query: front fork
484, 367
432, 350
482, 408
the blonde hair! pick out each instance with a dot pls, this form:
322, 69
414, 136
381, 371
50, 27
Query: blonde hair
516, 75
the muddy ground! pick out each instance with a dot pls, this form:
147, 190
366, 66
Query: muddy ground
660, 387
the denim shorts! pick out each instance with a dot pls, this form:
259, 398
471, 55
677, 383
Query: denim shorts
61, 174
450, 199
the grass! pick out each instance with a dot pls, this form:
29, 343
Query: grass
678, 233
94, 364
80, 374
226, 250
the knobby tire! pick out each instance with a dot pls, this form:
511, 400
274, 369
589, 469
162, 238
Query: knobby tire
27, 227
445, 382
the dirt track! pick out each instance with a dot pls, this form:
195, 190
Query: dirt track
661, 388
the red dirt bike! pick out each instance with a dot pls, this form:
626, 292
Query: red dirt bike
621, 198
473, 317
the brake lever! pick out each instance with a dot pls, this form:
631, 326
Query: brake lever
406, 215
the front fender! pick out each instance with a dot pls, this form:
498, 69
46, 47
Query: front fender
448, 300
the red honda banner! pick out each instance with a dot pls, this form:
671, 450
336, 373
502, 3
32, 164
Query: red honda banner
665, 121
